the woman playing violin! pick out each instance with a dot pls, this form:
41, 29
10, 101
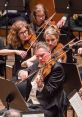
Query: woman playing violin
20, 37
51, 36
39, 20
46, 91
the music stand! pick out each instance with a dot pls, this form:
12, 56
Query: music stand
66, 6
11, 97
11, 5
72, 78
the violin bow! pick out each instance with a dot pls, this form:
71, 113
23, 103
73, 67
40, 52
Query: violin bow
65, 46
47, 21
59, 50
42, 30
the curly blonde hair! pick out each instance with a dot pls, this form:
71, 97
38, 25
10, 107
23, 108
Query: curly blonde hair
13, 38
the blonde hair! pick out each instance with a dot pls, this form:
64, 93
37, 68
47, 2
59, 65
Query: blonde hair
52, 30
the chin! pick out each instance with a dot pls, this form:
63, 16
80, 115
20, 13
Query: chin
26, 39
42, 63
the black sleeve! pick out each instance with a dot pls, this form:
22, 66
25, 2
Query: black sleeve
9, 47
55, 81
66, 15
32, 70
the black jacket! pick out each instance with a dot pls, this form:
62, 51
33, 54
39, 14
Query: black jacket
52, 98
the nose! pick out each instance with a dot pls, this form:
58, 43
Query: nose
40, 58
50, 42
41, 18
24, 33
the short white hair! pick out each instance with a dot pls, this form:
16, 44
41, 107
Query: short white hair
41, 44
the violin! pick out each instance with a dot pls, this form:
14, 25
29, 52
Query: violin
58, 53
43, 71
46, 70
28, 44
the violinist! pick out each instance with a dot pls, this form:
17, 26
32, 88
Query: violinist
46, 86
39, 20
20, 37
51, 36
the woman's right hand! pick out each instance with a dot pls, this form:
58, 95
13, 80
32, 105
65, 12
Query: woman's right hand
21, 53
22, 75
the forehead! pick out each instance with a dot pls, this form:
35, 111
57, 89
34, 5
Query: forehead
40, 12
50, 36
41, 51
23, 29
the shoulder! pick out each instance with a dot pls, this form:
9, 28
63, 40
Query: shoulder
58, 67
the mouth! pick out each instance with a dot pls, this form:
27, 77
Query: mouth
26, 38
42, 62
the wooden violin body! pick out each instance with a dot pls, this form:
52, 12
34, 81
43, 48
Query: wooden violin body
28, 44
47, 68
59, 53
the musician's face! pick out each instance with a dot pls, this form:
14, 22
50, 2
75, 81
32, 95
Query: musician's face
40, 17
43, 55
51, 40
23, 34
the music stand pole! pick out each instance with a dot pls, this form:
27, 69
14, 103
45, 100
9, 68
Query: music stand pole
68, 18
9, 99
6, 8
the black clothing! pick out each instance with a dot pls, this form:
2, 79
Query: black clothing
2, 59
52, 98
38, 31
18, 59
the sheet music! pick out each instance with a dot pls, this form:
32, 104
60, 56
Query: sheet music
33, 115
76, 103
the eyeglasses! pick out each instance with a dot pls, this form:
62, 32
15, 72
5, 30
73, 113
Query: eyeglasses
40, 16
24, 32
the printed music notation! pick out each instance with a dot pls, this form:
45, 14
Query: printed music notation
76, 103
